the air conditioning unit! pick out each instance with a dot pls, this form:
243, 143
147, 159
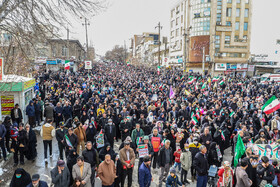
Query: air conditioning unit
219, 23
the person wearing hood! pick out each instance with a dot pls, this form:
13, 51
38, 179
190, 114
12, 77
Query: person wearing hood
261, 137
71, 161
30, 112
107, 172
32, 143
136, 134
107, 150
3, 132
194, 149
173, 179
49, 111
91, 132
81, 135
47, 133
60, 175
20, 178
73, 141
213, 157
67, 111
8, 125
110, 132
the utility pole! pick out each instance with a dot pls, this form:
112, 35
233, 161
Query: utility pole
68, 50
86, 25
124, 52
203, 61
159, 28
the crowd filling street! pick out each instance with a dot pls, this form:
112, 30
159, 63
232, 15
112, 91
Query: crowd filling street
172, 129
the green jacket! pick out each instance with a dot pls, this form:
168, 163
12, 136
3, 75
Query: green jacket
134, 135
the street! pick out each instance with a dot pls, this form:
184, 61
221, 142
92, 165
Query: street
43, 169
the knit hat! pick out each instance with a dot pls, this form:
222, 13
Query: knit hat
172, 170
146, 138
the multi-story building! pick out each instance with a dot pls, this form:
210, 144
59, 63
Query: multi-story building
221, 27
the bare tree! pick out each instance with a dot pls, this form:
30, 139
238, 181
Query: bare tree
29, 22
118, 53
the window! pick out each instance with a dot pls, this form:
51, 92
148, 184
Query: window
237, 24
228, 23
227, 40
245, 26
182, 19
238, 12
172, 13
197, 15
172, 24
236, 38
177, 21
182, 7
238, 1
245, 38
64, 51
172, 33
228, 12
54, 51
246, 13
177, 32
243, 55
229, 1
247, 1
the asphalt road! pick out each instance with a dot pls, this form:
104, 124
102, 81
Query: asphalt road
39, 166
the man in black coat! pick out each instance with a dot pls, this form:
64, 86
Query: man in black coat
201, 166
91, 156
59, 134
70, 136
16, 114
165, 159
265, 171
67, 111
110, 132
125, 127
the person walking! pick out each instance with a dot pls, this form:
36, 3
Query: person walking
60, 175
91, 156
37, 107
145, 176
127, 158
201, 166
173, 179
16, 114
36, 182
81, 135
47, 133
82, 170
49, 111
8, 125
186, 161
20, 178
242, 179
32, 143
3, 132
110, 132
20, 144
59, 134
30, 112
70, 141
165, 159
107, 172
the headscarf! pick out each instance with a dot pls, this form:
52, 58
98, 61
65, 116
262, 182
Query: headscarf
24, 180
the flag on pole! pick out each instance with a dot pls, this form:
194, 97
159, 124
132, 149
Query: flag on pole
215, 79
239, 150
67, 64
68, 141
231, 114
171, 93
182, 77
158, 70
271, 105
203, 86
194, 120
222, 82
187, 92
191, 80
223, 136
138, 141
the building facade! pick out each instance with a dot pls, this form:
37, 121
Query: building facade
221, 27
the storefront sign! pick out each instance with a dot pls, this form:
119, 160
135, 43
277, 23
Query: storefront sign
51, 62
196, 51
251, 67
40, 60
29, 84
143, 150
88, 65
1, 68
231, 66
220, 67
224, 28
242, 67
7, 104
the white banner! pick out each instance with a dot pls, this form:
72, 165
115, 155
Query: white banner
220, 67
88, 65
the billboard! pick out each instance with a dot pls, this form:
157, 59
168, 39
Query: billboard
88, 65
196, 45
220, 67
242, 67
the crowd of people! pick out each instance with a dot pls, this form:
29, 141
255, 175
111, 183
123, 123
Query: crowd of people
172, 124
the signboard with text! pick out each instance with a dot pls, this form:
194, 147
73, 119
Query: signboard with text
220, 67
88, 65
196, 47
7, 104
242, 67
143, 150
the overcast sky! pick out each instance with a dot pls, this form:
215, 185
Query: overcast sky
124, 18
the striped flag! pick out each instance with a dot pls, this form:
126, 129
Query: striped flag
271, 105
68, 141
203, 86
194, 120
222, 82
231, 114
223, 136
138, 141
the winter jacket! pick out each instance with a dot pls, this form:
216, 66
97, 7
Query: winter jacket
91, 157
201, 164
173, 181
145, 176
134, 134
186, 160
242, 179
267, 174
60, 180
162, 157
2, 131
221, 174
30, 110
177, 156
41, 184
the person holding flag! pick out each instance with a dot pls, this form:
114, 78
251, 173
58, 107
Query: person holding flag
70, 141
137, 134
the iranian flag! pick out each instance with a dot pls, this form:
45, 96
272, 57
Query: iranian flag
271, 105
223, 136
231, 114
67, 64
215, 79
128, 63
194, 120
158, 70
196, 87
204, 86
191, 80
222, 82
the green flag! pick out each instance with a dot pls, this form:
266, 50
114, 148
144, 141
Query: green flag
239, 150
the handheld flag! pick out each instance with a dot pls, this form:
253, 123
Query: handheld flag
271, 105
67, 64
68, 141
171, 93
239, 150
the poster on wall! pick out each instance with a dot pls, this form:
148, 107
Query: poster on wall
220, 67
272, 151
1, 68
88, 65
7, 104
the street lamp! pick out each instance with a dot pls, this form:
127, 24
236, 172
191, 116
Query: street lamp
86, 24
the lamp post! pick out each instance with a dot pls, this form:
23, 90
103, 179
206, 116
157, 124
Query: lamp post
86, 24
